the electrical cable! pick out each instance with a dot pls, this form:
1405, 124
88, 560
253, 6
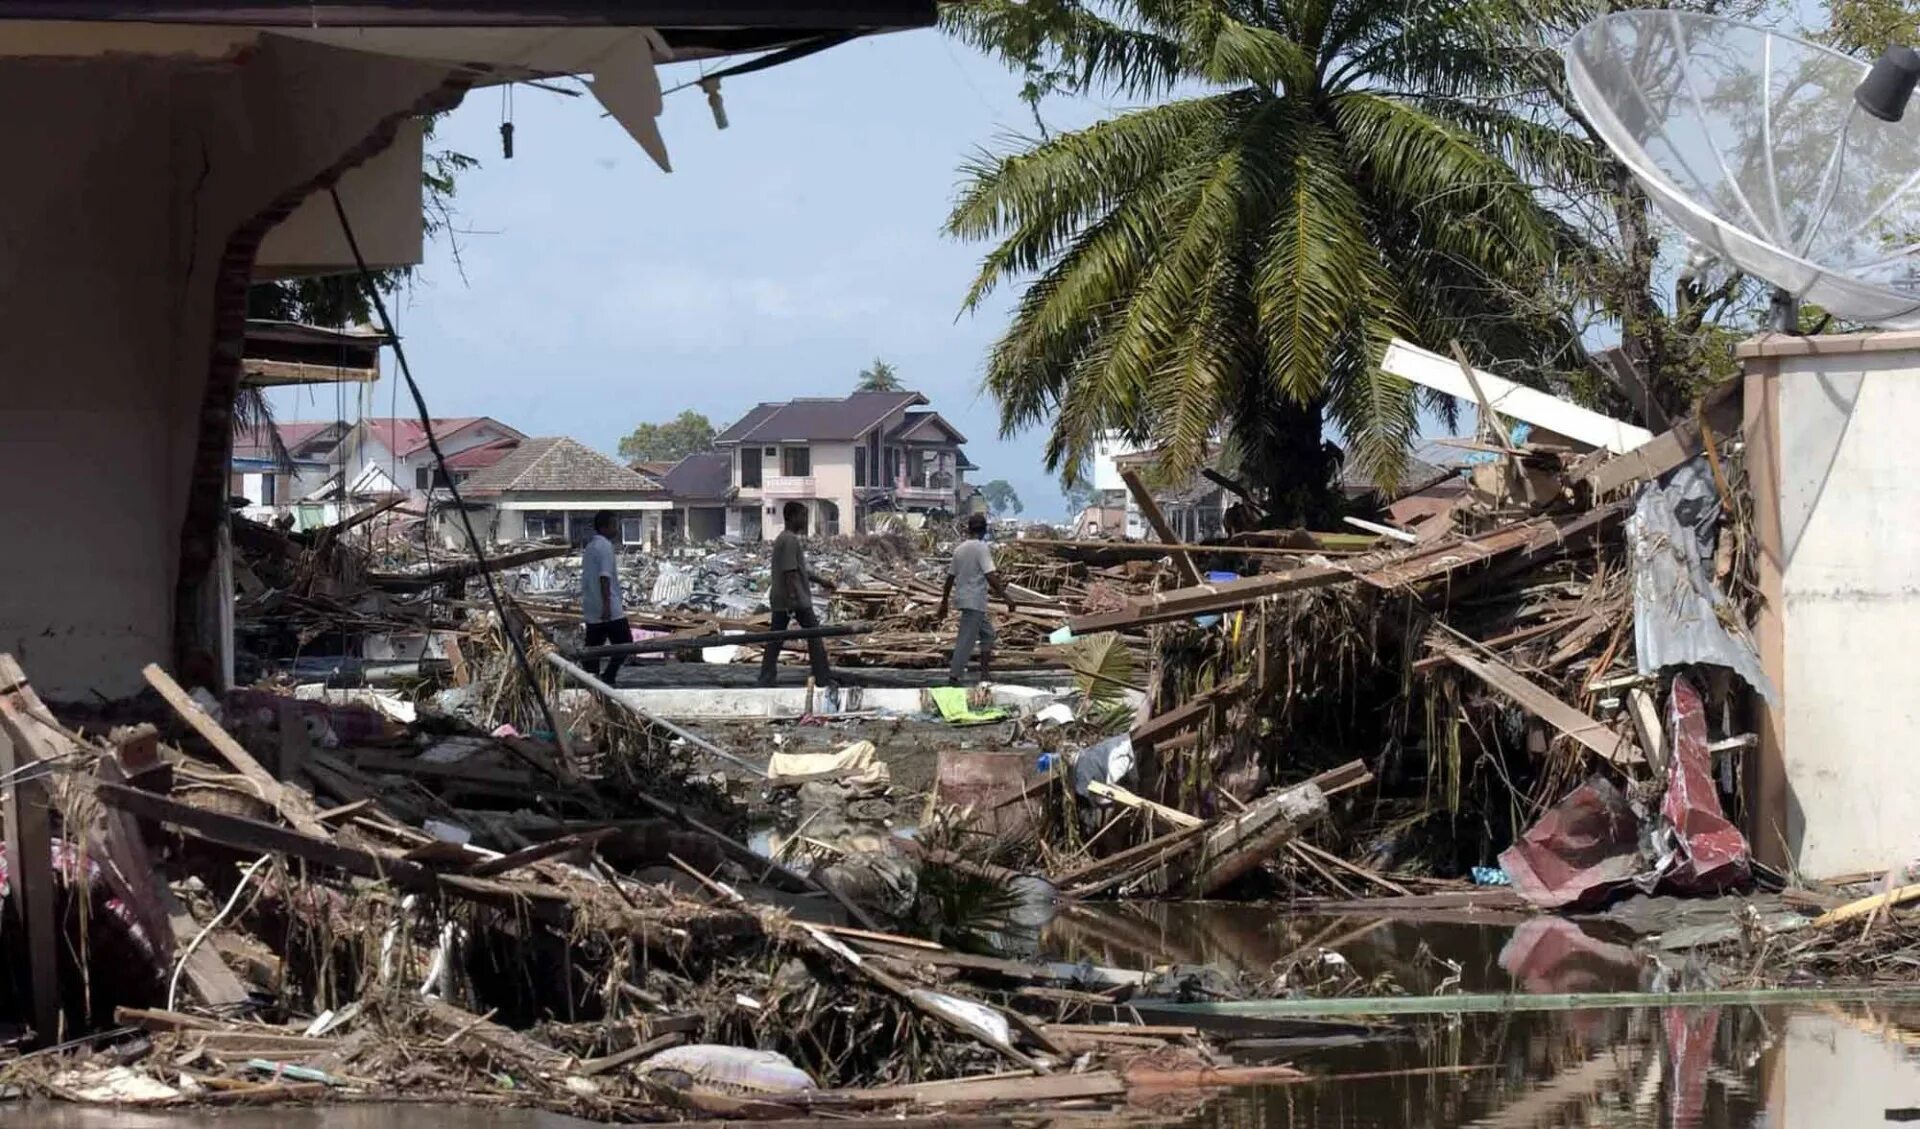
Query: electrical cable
440, 466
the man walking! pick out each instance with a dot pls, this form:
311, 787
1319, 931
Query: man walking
791, 597
969, 575
600, 597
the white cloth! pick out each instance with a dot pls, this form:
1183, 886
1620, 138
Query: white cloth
598, 560
972, 561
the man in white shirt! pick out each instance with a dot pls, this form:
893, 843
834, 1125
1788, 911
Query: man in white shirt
600, 596
969, 575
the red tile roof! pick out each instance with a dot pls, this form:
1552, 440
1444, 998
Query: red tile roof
405, 436
483, 456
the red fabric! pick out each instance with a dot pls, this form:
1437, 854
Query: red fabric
1690, 1037
1581, 851
1713, 853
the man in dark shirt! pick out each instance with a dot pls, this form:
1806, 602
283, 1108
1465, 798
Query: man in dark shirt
792, 599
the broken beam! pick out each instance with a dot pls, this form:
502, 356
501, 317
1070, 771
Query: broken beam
1150, 509
1540, 702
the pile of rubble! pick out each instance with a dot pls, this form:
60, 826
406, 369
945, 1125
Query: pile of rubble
263, 899
1549, 693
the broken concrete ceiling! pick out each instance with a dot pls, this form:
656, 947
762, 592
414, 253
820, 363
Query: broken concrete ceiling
614, 46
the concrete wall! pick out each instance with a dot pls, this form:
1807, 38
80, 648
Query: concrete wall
833, 481
1833, 1070
1841, 570
127, 183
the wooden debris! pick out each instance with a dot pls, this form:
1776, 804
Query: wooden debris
1596, 737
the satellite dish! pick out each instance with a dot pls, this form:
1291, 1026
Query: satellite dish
1752, 142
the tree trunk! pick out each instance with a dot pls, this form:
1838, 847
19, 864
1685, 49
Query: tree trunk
1284, 453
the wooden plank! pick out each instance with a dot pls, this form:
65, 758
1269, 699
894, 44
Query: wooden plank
206, 973
1721, 411
1489, 421
527, 856
1540, 702
1235, 845
1150, 509
1180, 603
295, 808
1152, 730
462, 674
130, 868
465, 1027
615, 698
256, 836
1127, 799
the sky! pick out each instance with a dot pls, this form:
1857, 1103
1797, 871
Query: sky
594, 292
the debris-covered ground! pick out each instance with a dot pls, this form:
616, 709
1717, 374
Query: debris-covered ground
422, 852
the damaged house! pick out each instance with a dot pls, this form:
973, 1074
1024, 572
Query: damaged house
180, 152
548, 489
844, 458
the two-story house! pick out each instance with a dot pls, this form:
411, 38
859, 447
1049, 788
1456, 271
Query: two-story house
846, 458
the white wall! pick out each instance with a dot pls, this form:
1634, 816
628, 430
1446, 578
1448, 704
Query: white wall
833, 479
1836, 1071
124, 184
1850, 552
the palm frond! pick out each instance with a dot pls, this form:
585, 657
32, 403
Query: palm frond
253, 419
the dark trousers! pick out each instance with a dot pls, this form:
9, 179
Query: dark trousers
605, 634
816, 647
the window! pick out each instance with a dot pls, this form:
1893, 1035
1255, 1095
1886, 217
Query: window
860, 466
796, 462
632, 530
267, 491
750, 468
425, 478
545, 525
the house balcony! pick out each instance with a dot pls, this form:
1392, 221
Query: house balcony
923, 495
787, 486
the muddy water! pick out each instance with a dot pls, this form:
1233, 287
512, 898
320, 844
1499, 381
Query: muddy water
1386, 955
1729, 1067
1692, 1068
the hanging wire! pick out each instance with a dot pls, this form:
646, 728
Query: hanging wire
440, 465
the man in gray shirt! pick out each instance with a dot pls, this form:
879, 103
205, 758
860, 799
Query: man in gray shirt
792, 599
969, 575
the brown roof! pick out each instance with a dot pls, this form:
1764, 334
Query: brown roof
927, 427
739, 429
1354, 479
818, 420
707, 475
557, 464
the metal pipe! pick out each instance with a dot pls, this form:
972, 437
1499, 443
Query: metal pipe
650, 646
610, 694
1519, 1001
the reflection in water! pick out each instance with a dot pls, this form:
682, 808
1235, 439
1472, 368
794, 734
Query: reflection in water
1539, 954
1686, 1068
1693, 1068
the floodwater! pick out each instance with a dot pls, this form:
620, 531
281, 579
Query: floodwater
1686, 1068
1725, 1067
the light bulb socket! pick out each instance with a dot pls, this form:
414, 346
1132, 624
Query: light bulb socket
1888, 87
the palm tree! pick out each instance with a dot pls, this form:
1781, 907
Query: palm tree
1230, 264
878, 377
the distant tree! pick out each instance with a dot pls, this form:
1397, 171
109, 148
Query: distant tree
879, 376
1001, 498
1079, 496
675, 439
